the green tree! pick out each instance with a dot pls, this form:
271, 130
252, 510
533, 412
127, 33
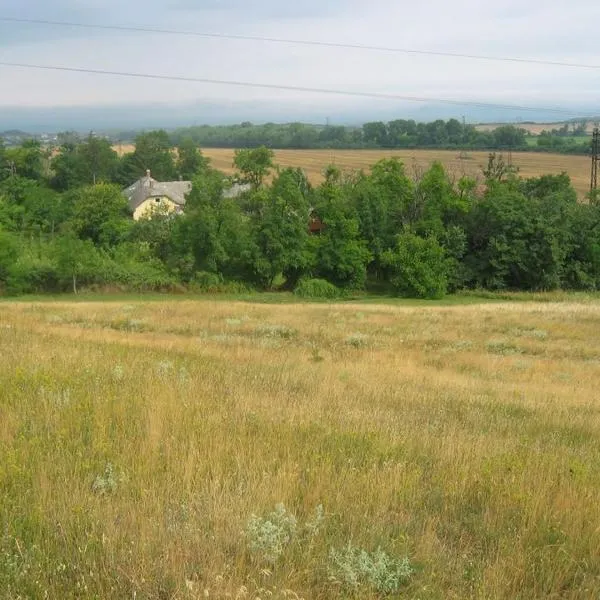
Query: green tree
401, 133
396, 193
98, 161
85, 163
518, 242
509, 137
9, 251
75, 258
417, 267
4, 167
339, 254
156, 230
254, 164
375, 133
455, 131
190, 160
437, 203
582, 263
27, 160
153, 152
281, 231
100, 214
497, 169
302, 136
45, 210
66, 168
27, 205
213, 232
13, 195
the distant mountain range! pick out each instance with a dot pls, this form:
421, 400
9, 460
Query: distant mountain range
18, 121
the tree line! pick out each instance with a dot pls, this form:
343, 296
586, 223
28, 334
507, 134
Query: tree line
65, 225
400, 133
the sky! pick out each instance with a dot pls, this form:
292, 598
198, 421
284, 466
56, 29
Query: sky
553, 30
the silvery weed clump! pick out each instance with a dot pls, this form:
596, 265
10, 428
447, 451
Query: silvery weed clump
269, 536
355, 568
357, 340
107, 482
276, 331
315, 523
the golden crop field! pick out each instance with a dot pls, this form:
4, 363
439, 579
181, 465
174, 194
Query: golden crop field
530, 164
534, 128
190, 449
313, 162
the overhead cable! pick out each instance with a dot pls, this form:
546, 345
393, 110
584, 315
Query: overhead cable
296, 88
274, 40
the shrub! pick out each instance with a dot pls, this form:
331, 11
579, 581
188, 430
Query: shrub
268, 536
137, 273
276, 331
417, 267
106, 483
213, 283
355, 567
32, 275
357, 340
317, 288
206, 281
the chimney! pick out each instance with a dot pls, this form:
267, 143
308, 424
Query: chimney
148, 174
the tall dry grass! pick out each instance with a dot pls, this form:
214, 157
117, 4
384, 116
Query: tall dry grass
138, 439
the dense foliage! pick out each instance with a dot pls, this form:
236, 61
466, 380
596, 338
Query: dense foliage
64, 225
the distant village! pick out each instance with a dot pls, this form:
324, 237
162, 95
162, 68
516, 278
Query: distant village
16, 137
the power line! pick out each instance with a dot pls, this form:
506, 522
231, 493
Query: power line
347, 46
294, 88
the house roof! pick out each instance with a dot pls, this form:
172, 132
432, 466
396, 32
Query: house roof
147, 187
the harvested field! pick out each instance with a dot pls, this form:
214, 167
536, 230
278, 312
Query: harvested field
139, 438
533, 128
530, 164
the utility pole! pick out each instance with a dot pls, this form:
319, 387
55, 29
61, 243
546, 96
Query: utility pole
595, 161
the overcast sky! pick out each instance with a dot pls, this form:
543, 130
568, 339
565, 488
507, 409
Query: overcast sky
549, 29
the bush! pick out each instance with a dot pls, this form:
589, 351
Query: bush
33, 275
417, 267
268, 536
213, 283
26, 268
354, 568
206, 281
135, 274
317, 288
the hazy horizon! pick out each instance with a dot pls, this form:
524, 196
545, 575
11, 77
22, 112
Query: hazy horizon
124, 117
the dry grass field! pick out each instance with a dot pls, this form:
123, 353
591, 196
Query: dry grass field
139, 438
530, 164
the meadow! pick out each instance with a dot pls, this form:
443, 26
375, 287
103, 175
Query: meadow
457, 163
215, 449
